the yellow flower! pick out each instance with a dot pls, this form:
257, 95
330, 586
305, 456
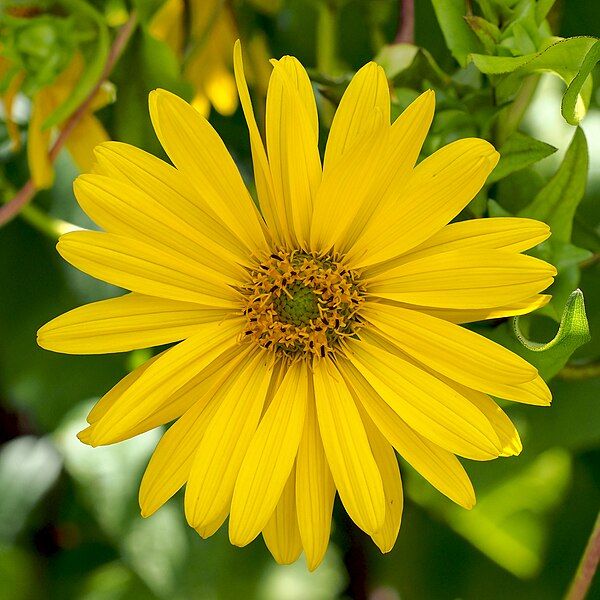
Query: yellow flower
315, 336
208, 67
87, 134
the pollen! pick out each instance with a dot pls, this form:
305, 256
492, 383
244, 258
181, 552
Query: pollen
302, 305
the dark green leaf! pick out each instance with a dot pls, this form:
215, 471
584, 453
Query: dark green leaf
557, 202
519, 151
564, 58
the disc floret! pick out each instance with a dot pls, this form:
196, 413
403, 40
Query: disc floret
300, 304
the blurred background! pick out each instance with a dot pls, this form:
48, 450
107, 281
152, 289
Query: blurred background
70, 526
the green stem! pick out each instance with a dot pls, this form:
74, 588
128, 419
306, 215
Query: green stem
326, 34
587, 566
48, 225
326, 50
511, 117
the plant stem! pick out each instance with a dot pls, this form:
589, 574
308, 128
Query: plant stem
406, 28
12, 208
326, 41
587, 566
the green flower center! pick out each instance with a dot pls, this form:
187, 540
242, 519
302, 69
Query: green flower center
300, 307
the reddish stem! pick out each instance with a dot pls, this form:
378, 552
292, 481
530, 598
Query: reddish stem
406, 29
587, 567
12, 208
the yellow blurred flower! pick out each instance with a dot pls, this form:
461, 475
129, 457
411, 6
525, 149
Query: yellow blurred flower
208, 66
87, 134
315, 337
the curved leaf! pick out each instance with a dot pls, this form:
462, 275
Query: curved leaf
572, 333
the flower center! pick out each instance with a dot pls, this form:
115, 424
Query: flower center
299, 304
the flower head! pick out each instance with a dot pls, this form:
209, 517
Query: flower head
316, 334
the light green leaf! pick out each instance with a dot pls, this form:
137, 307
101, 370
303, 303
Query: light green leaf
519, 151
29, 467
573, 332
94, 53
574, 104
563, 57
458, 35
394, 58
557, 201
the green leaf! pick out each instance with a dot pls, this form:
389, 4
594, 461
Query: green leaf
94, 53
557, 201
542, 9
394, 58
410, 66
574, 103
488, 33
457, 33
511, 521
573, 332
565, 58
519, 151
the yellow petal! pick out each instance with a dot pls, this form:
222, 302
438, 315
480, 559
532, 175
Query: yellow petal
353, 191
509, 234
208, 529
269, 458
387, 463
438, 189
349, 455
440, 467
262, 173
428, 405
171, 461
315, 490
220, 454
172, 407
122, 324
464, 279
456, 352
124, 209
281, 533
166, 186
164, 377
110, 398
199, 153
292, 147
503, 426
139, 267
38, 141
458, 316
367, 93
82, 140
